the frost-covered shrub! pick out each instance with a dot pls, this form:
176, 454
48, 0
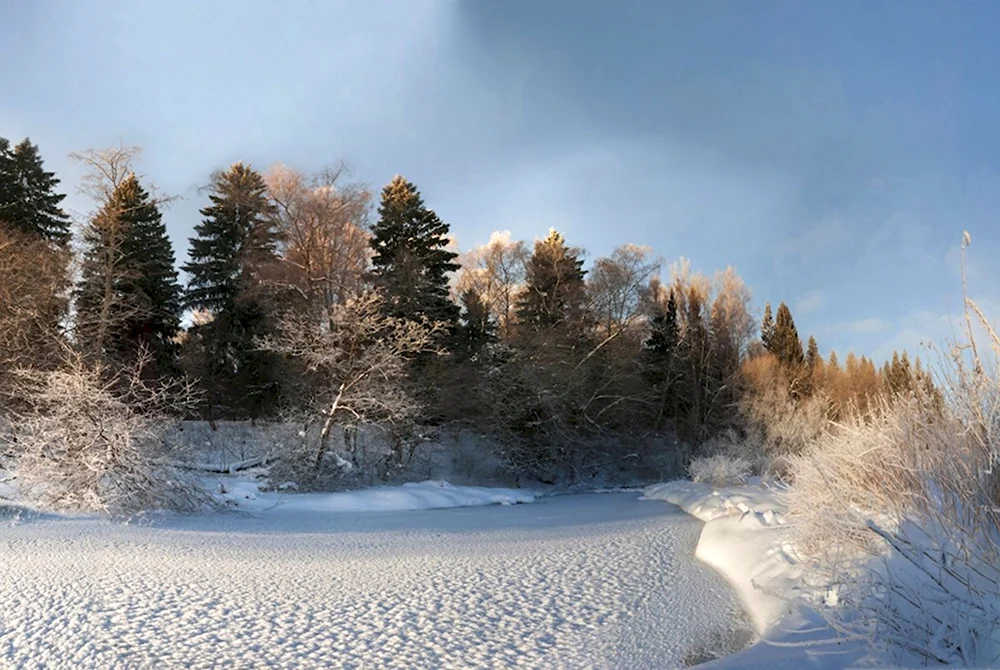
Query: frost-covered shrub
88, 440
720, 470
896, 511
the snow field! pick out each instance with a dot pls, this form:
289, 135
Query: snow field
596, 581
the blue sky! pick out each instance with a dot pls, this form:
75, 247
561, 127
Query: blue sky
833, 152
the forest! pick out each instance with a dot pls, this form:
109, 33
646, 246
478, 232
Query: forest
310, 302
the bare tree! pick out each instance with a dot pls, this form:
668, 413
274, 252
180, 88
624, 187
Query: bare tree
321, 222
356, 359
616, 285
496, 273
33, 282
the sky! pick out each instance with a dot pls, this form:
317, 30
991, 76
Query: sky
832, 152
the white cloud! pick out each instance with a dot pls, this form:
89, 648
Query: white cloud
902, 240
869, 325
810, 302
825, 237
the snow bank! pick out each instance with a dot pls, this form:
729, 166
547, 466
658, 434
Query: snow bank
740, 540
743, 540
432, 494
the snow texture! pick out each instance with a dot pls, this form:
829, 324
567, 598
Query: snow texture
743, 540
573, 581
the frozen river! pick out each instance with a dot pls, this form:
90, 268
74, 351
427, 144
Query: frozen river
595, 581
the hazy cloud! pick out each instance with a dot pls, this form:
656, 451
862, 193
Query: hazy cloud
810, 302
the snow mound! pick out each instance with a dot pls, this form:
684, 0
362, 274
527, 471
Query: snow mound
431, 494
735, 542
709, 503
744, 540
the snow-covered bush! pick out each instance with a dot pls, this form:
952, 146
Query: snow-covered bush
720, 470
84, 439
356, 360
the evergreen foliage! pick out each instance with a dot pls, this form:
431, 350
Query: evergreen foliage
128, 295
28, 201
812, 354
767, 328
555, 294
476, 327
411, 262
235, 250
783, 340
234, 240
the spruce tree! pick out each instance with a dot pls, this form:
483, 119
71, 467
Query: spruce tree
28, 201
784, 340
128, 295
767, 328
476, 327
234, 240
411, 262
555, 294
660, 347
812, 353
659, 358
235, 245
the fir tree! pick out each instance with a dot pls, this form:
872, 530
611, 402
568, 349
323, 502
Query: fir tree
28, 200
234, 240
812, 353
767, 328
411, 262
235, 245
128, 295
555, 293
476, 327
784, 340
660, 348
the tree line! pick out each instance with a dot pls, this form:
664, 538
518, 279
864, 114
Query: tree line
304, 299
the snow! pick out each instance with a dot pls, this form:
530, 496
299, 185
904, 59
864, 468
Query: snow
432, 494
743, 540
565, 582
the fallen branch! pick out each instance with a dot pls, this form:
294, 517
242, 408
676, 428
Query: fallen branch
230, 469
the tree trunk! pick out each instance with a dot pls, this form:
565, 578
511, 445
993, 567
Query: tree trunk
324, 435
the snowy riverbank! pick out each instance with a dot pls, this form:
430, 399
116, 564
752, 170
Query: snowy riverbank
743, 540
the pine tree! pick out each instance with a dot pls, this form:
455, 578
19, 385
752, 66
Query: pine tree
235, 247
128, 294
28, 200
411, 262
833, 362
784, 340
767, 328
555, 293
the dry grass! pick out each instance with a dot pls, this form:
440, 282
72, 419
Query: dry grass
913, 484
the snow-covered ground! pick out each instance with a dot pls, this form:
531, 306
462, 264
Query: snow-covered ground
244, 493
743, 540
605, 581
